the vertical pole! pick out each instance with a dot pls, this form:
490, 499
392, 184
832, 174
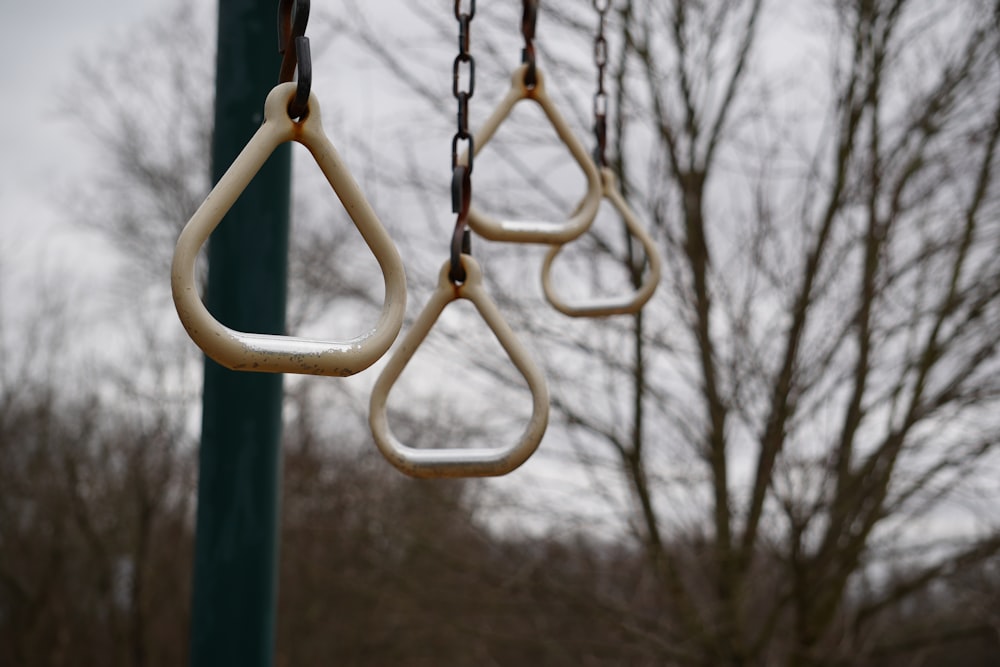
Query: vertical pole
235, 564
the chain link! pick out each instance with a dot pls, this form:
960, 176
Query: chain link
601, 96
461, 178
463, 61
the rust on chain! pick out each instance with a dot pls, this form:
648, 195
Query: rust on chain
293, 45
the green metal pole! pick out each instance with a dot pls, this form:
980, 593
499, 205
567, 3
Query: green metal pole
235, 564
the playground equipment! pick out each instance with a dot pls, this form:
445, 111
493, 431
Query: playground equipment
645, 285
270, 353
291, 113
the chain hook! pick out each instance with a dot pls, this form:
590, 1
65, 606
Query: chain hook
529, 19
293, 15
461, 239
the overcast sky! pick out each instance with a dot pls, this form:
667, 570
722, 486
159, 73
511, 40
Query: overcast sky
42, 40
40, 151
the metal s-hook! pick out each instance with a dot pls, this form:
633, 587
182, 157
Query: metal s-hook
470, 462
286, 354
630, 303
293, 15
461, 241
529, 19
537, 231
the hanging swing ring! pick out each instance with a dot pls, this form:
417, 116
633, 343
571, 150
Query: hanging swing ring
272, 353
612, 305
459, 462
530, 231
293, 45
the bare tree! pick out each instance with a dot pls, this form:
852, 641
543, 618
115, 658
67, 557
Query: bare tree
94, 528
813, 397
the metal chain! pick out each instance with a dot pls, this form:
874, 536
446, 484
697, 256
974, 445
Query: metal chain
601, 96
461, 179
529, 19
